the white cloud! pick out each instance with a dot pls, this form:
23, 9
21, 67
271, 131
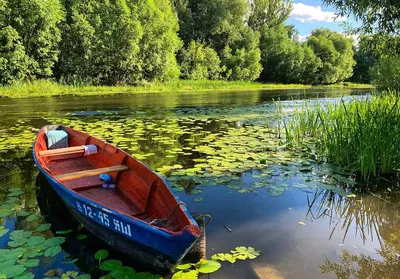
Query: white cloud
308, 13
303, 38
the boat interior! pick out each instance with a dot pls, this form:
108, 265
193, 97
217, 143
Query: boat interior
138, 192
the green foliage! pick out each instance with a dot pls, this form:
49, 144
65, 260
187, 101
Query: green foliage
285, 60
199, 62
366, 59
29, 36
362, 136
386, 74
101, 255
242, 253
268, 13
112, 43
336, 54
380, 16
241, 58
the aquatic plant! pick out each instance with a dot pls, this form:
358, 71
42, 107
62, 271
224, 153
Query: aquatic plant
362, 135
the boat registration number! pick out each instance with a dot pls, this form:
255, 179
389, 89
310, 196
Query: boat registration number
101, 217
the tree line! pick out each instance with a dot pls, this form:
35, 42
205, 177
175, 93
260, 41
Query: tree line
117, 42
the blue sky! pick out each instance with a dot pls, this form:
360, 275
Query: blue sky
311, 14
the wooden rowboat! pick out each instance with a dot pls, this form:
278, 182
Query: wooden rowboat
140, 215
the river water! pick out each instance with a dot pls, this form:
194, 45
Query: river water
222, 156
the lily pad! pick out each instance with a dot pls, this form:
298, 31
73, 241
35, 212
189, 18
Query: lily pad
52, 251
224, 257
14, 271
123, 272
63, 232
35, 240
29, 275
43, 227
208, 266
243, 253
81, 236
193, 274
110, 265
101, 255
32, 263
32, 218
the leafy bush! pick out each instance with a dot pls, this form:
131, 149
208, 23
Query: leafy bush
386, 74
29, 37
199, 62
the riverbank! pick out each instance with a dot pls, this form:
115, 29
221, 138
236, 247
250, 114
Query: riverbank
44, 88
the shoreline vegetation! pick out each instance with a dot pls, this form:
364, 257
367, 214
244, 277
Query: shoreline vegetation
47, 88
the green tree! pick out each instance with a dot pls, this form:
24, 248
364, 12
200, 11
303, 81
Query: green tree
336, 54
365, 59
160, 42
381, 16
29, 32
100, 43
386, 74
199, 62
285, 60
240, 59
214, 22
220, 24
119, 42
268, 13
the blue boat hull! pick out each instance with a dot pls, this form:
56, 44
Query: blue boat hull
159, 248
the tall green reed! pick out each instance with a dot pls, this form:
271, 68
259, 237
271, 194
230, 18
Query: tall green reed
362, 135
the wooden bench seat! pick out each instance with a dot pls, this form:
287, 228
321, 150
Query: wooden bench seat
93, 172
62, 151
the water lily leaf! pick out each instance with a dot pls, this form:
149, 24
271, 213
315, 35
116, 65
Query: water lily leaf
14, 271
17, 243
184, 266
23, 213
7, 264
81, 236
3, 231
123, 272
146, 275
32, 263
43, 227
193, 274
35, 240
63, 232
5, 213
110, 265
208, 266
11, 200
224, 257
243, 253
7, 206
101, 255
14, 189
32, 218
108, 276
20, 234
83, 276
52, 251
54, 241
15, 194
198, 199
3, 276
29, 275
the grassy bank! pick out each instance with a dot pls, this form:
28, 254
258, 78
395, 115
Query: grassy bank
363, 135
49, 88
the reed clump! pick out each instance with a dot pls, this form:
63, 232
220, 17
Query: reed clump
362, 135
